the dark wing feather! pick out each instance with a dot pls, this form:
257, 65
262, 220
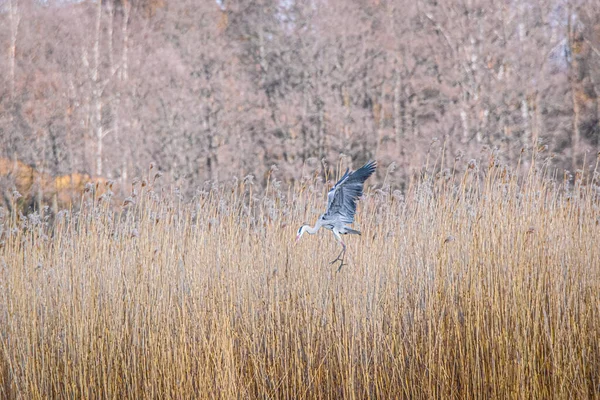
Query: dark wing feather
341, 199
331, 194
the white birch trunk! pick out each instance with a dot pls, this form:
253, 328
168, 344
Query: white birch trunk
123, 79
15, 19
96, 92
125, 33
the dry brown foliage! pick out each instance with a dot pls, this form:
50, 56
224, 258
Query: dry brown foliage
25, 188
481, 284
21, 175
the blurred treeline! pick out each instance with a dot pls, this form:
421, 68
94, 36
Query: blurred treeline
208, 89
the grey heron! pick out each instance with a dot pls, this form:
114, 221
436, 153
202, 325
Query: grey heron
341, 207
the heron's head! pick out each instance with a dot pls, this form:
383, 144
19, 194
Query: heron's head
301, 232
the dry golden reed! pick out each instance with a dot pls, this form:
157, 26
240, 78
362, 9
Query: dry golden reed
479, 284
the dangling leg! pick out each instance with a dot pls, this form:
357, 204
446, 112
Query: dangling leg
342, 254
343, 257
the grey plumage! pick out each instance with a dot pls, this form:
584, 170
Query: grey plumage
341, 206
342, 198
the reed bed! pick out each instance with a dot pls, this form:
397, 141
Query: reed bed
476, 284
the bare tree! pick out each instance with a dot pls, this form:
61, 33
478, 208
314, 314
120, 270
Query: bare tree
213, 89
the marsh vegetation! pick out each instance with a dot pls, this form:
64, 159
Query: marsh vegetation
476, 282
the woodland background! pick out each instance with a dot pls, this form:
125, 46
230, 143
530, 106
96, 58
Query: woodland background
208, 90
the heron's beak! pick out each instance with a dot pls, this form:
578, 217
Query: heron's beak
297, 238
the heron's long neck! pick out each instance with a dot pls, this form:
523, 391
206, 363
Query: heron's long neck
314, 229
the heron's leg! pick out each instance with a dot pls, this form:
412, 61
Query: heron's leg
342, 261
340, 256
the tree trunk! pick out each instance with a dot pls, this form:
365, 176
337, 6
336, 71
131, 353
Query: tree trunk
526, 140
97, 92
398, 109
380, 121
123, 77
15, 19
125, 33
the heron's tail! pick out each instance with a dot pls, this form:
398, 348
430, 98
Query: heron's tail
352, 231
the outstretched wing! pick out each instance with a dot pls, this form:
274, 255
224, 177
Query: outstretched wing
341, 199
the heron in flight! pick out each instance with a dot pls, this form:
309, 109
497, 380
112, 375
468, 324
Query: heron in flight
341, 207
